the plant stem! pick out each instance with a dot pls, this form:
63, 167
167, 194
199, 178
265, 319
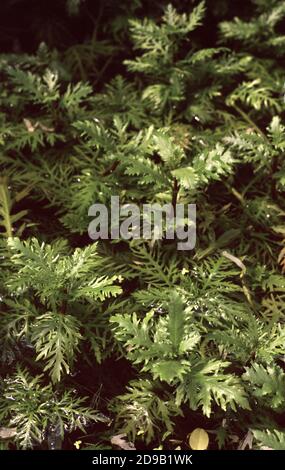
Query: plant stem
5, 207
246, 117
175, 191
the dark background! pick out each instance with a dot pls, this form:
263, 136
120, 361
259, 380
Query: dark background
24, 24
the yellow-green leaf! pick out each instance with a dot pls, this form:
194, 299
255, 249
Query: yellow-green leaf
199, 439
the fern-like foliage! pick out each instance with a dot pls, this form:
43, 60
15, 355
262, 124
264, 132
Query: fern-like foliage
31, 407
152, 108
270, 439
168, 348
141, 411
60, 286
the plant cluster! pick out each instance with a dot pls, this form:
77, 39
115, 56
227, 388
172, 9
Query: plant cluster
169, 103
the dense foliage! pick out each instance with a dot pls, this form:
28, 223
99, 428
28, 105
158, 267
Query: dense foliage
153, 102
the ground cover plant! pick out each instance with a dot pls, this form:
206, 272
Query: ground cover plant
155, 102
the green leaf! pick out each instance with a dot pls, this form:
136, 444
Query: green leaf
273, 439
168, 371
176, 321
187, 177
